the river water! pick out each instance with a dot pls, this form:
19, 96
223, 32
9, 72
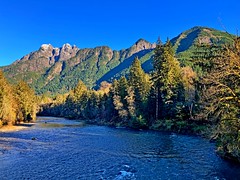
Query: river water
56, 148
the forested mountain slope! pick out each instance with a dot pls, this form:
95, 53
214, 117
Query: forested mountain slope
56, 70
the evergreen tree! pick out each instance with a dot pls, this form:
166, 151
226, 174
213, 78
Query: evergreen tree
157, 64
92, 110
140, 83
122, 90
103, 107
151, 106
167, 80
78, 91
76, 101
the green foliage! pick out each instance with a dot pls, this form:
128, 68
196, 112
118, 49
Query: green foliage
138, 123
76, 101
167, 81
181, 126
186, 44
122, 89
141, 85
139, 80
228, 142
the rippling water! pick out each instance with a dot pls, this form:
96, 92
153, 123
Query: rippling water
62, 149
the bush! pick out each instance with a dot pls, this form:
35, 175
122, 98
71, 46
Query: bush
138, 123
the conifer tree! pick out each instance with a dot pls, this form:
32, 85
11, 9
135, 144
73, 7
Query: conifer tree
103, 108
122, 90
91, 110
167, 80
78, 91
157, 64
76, 101
140, 83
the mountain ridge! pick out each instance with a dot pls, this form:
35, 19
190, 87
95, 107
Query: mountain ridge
48, 62
58, 69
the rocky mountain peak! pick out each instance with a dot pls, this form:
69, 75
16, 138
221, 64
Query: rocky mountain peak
142, 44
66, 46
44, 51
67, 51
45, 47
139, 41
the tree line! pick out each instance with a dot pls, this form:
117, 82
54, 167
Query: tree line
140, 100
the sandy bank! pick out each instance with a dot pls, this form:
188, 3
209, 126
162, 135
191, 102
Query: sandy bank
15, 127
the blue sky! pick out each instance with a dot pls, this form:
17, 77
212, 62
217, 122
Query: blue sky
25, 24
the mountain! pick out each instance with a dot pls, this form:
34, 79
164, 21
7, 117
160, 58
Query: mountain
185, 43
57, 70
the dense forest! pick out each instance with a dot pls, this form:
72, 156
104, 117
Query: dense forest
202, 98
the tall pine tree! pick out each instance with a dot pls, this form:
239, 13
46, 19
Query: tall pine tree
167, 80
141, 85
76, 100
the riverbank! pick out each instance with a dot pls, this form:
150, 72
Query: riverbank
185, 127
13, 128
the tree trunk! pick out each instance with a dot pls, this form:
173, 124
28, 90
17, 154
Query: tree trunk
157, 103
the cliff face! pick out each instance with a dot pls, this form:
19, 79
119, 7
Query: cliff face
53, 55
59, 69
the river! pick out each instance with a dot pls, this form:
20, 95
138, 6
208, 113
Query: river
56, 148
